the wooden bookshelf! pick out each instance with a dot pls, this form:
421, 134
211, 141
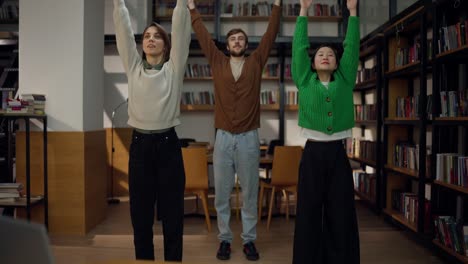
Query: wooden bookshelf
452, 186
398, 216
461, 258
403, 171
201, 107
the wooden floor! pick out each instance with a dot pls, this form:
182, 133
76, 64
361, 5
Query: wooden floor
112, 240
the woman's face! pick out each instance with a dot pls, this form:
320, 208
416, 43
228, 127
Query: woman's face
325, 60
153, 43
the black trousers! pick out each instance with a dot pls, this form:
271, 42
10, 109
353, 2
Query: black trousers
326, 226
156, 175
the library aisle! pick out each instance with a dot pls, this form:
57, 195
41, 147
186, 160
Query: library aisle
112, 240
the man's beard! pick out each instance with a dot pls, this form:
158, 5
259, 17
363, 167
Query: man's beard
237, 54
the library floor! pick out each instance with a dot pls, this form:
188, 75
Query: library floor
112, 240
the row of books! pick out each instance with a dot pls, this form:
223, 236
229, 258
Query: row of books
365, 112
453, 36
365, 183
407, 107
365, 74
207, 98
454, 103
324, 8
451, 233
362, 148
406, 203
412, 53
406, 155
452, 168
165, 8
268, 97
195, 70
197, 98
245, 8
292, 97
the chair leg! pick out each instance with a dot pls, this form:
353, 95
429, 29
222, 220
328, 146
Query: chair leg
285, 193
204, 197
271, 206
260, 202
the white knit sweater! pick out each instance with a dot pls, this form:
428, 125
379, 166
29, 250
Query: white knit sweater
153, 95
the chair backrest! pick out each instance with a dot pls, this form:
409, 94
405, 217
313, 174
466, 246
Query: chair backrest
273, 144
285, 169
196, 168
184, 142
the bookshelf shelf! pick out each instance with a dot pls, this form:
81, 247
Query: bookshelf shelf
401, 219
315, 18
463, 259
291, 107
204, 79
21, 202
402, 121
367, 162
270, 107
410, 69
454, 52
365, 122
452, 186
201, 107
364, 196
366, 85
403, 171
169, 18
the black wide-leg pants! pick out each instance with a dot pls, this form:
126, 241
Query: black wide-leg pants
326, 228
156, 175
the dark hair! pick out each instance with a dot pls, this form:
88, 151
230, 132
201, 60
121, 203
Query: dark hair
328, 45
165, 37
235, 31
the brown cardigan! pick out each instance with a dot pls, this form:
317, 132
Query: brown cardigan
237, 103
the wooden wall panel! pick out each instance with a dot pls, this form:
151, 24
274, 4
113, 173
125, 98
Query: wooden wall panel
122, 139
95, 178
75, 203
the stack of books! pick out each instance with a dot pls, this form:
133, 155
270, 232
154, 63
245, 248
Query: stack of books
36, 103
10, 191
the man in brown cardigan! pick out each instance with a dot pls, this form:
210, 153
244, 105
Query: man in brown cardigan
237, 79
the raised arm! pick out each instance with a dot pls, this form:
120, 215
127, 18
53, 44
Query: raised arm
300, 66
180, 36
124, 36
350, 59
305, 5
204, 37
268, 39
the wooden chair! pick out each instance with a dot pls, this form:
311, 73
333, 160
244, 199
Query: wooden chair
196, 177
284, 175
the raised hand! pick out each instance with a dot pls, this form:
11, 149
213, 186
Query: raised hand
191, 4
306, 3
351, 4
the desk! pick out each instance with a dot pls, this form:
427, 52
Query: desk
28, 200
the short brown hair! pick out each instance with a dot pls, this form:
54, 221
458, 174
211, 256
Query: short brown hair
235, 31
165, 37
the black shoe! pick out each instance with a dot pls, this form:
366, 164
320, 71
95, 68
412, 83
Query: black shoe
224, 251
250, 251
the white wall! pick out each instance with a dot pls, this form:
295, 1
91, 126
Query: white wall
61, 57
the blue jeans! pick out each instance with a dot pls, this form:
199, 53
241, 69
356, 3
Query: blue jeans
236, 153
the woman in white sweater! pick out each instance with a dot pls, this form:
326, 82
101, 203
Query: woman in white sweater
156, 170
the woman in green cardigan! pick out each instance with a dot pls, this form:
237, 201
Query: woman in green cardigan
326, 226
